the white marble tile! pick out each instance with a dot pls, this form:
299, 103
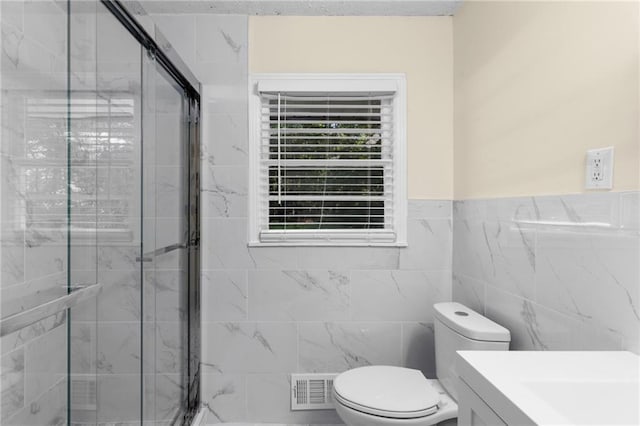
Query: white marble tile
580, 208
274, 257
502, 254
118, 397
475, 210
226, 89
224, 295
170, 343
84, 345
630, 210
45, 362
337, 347
18, 338
227, 142
511, 260
429, 245
180, 30
149, 396
470, 249
50, 408
224, 244
298, 295
12, 383
118, 258
13, 194
168, 231
45, 260
348, 258
249, 347
469, 292
120, 297
588, 336
418, 347
35, 67
594, 278
224, 397
12, 264
429, 209
224, 191
82, 48
169, 192
12, 13
117, 52
516, 209
118, 348
45, 22
167, 296
83, 257
268, 400
169, 128
398, 295
222, 38
168, 396
532, 327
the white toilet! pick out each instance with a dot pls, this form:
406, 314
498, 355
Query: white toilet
383, 395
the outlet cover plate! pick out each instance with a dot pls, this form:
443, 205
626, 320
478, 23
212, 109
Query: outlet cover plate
599, 168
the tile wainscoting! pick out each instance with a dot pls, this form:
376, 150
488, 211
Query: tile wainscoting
560, 272
281, 310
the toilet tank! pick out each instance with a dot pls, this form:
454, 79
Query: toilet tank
458, 328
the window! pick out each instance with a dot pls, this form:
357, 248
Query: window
327, 159
102, 162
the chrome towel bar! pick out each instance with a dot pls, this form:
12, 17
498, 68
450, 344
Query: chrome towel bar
30, 316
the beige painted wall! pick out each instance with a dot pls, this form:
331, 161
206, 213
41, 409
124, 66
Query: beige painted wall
421, 47
536, 85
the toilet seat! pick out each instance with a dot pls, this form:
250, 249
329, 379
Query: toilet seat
386, 391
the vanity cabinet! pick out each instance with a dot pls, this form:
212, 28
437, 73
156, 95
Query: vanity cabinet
473, 411
531, 388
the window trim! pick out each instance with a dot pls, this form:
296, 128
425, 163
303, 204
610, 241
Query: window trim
387, 82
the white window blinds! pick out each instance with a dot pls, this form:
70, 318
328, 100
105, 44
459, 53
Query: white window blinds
326, 167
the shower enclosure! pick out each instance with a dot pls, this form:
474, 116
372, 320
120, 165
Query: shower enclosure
99, 299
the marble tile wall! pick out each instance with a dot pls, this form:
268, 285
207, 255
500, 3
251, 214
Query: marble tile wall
271, 311
561, 272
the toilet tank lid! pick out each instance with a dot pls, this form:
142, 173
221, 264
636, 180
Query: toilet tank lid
469, 323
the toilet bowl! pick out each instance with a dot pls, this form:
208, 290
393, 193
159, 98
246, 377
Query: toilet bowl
383, 395
386, 395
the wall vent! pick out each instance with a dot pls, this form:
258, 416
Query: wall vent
84, 395
312, 391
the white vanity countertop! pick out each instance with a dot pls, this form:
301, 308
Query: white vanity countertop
554, 388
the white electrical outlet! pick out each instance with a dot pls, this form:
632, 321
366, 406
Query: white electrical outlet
599, 170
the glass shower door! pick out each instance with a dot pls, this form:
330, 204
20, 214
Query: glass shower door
98, 245
165, 241
119, 226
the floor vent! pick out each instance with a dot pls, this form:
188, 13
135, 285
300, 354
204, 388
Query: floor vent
84, 393
312, 391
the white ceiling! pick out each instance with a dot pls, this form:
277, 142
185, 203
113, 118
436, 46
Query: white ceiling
306, 7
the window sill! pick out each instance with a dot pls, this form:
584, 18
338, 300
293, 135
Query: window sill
324, 244
329, 238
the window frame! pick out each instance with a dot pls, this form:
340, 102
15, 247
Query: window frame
336, 83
